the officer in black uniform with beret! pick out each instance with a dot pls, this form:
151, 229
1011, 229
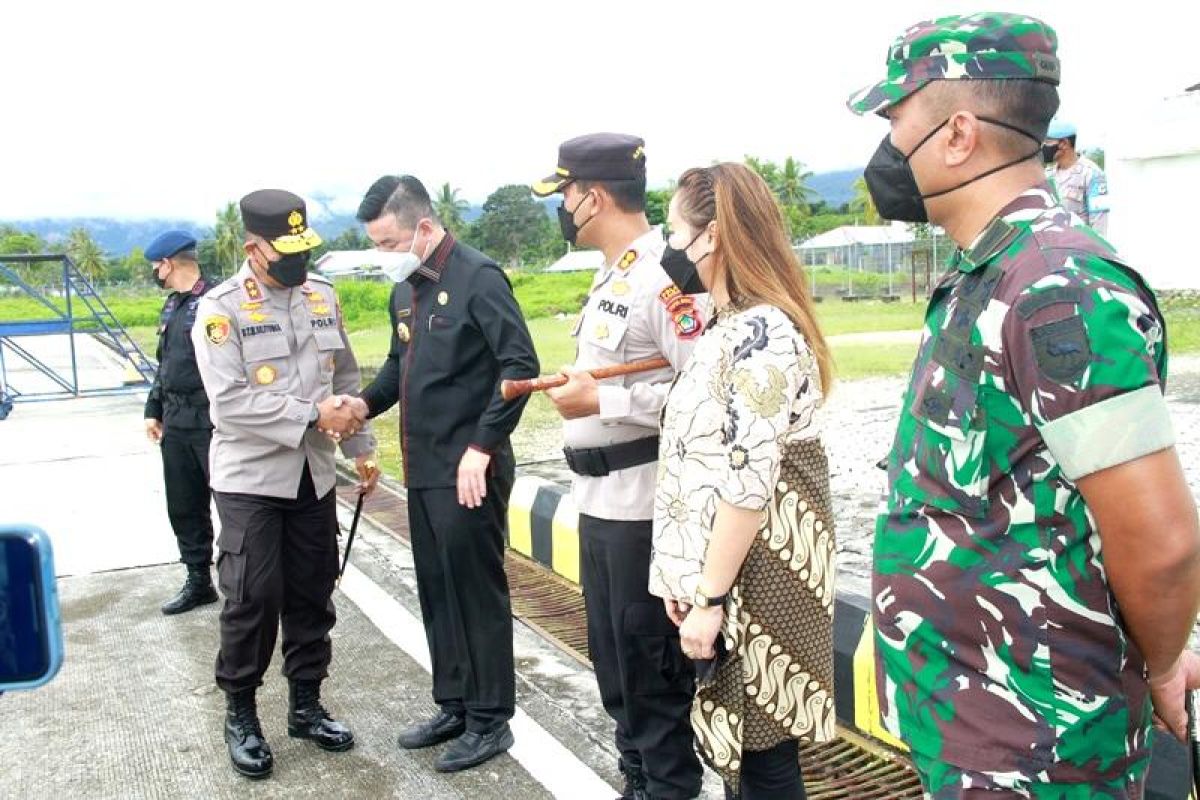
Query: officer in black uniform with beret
177, 415
457, 331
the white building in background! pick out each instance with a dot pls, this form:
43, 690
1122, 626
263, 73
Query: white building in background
349, 264
578, 261
1153, 165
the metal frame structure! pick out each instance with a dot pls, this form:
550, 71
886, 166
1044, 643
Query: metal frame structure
81, 311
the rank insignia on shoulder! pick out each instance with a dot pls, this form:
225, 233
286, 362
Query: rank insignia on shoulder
216, 328
264, 375
627, 260
403, 332
253, 293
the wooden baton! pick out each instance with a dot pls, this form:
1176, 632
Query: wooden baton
511, 390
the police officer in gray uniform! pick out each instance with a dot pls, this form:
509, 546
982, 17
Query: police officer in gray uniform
278, 370
633, 312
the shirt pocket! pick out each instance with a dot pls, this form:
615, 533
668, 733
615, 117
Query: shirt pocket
606, 332
329, 343
267, 360
943, 452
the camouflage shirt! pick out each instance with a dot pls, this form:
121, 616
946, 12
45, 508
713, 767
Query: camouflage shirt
999, 646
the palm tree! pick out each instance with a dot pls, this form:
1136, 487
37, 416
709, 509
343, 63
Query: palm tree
229, 235
793, 188
86, 254
450, 208
864, 204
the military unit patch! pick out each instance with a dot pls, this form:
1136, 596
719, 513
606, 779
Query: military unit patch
216, 328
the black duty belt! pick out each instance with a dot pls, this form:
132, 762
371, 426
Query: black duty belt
596, 462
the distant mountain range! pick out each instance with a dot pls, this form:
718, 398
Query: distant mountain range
118, 237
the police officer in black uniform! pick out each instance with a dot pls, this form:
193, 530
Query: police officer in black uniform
177, 416
457, 331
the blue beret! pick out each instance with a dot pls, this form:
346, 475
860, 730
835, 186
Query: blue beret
1060, 129
168, 244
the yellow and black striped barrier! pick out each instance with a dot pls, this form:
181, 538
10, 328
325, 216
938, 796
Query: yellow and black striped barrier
543, 525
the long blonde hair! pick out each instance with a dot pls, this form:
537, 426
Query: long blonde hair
752, 250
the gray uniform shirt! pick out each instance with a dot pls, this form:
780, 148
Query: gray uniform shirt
266, 357
634, 312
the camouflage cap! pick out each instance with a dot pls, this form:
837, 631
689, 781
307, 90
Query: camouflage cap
986, 45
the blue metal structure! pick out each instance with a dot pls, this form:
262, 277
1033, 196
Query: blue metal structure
80, 311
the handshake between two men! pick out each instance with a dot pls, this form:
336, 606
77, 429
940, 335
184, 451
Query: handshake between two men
339, 417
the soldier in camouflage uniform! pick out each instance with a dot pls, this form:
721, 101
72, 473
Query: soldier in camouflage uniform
1033, 485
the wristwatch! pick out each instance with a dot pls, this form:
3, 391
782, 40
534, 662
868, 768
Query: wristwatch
701, 600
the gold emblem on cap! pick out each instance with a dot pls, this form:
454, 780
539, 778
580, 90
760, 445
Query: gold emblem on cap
637, 153
296, 222
601, 331
403, 332
264, 375
620, 288
443, 298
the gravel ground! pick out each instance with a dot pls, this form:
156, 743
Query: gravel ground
860, 421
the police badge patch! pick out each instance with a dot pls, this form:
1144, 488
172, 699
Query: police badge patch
216, 329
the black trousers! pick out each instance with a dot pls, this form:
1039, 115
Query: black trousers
646, 683
459, 557
278, 563
771, 774
185, 475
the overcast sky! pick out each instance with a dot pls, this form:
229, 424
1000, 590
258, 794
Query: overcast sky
171, 109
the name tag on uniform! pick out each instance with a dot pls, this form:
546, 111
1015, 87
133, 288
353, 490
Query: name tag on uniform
613, 307
324, 322
258, 330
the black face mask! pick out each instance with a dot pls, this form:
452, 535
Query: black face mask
162, 282
679, 268
291, 270
1049, 151
566, 220
893, 186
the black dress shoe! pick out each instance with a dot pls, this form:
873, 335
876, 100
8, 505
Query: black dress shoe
472, 749
443, 727
308, 719
197, 591
248, 750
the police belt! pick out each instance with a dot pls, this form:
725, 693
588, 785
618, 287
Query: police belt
596, 462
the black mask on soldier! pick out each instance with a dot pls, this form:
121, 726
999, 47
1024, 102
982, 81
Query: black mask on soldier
1049, 151
893, 186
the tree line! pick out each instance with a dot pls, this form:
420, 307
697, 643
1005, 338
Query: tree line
513, 227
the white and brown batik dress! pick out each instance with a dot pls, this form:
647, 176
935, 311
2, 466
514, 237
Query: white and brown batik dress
739, 426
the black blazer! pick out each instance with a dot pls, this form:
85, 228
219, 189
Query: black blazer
457, 331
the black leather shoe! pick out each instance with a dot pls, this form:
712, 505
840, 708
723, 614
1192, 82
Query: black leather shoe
443, 727
635, 781
308, 719
197, 591
248, 750
472, 749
